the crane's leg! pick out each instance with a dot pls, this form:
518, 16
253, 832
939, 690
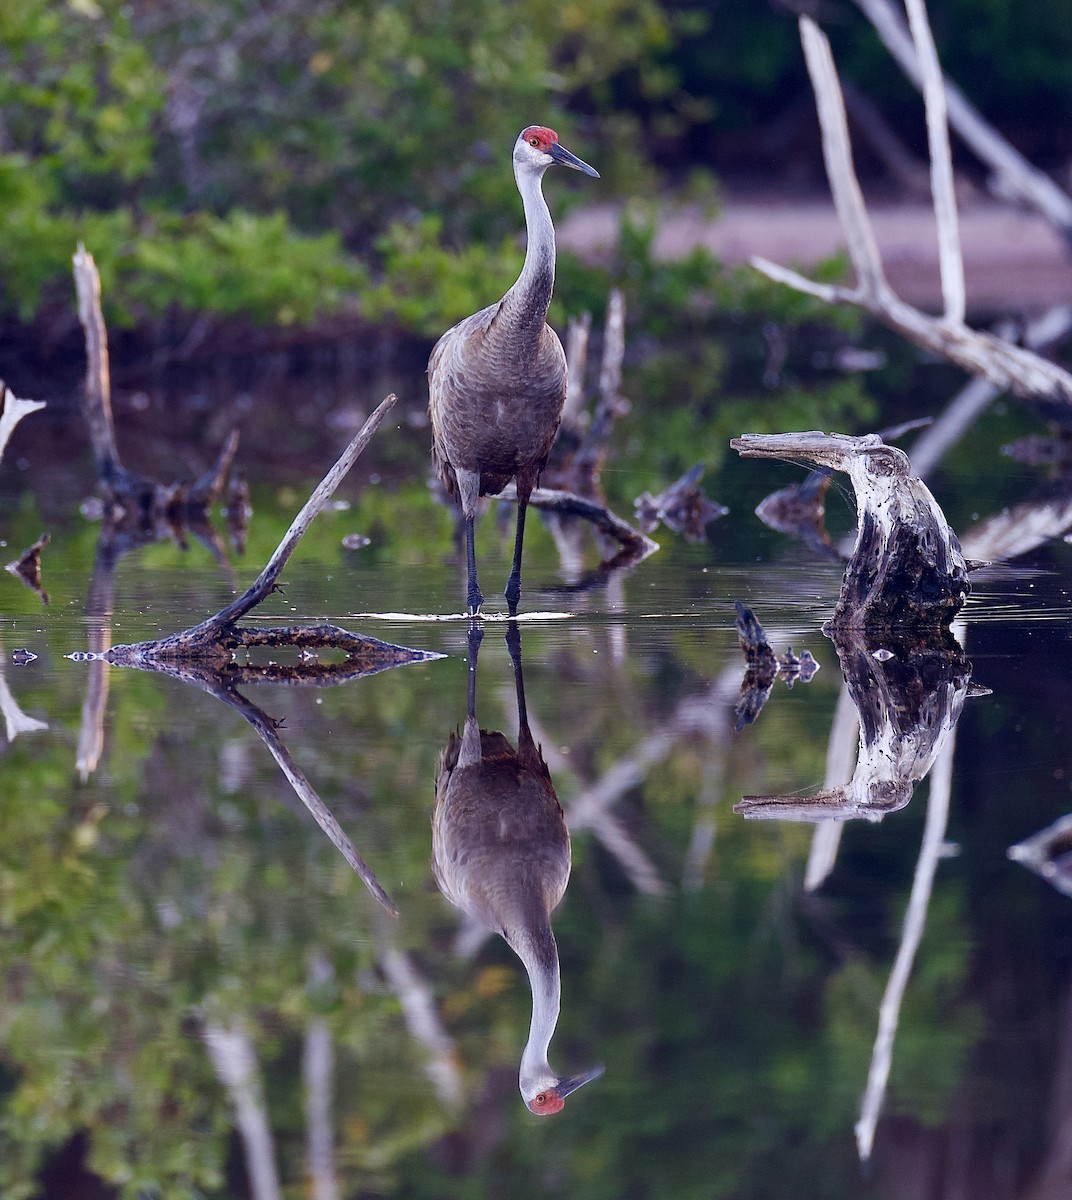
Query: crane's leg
513, 584
469, 493
476, 636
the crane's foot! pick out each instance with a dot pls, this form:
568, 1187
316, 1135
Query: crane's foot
474, 598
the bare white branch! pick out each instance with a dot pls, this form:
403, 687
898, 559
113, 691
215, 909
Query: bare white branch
1007, 367
889, 1013
235, 1061
950, 260
1016, 177
837, 154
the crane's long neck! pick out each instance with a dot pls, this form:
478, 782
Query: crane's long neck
537, 950
530, 296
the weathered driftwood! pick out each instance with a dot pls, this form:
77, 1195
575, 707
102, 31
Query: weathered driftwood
27, 567
12, 411
1006, 366
214, 639
682, 507
908, 693
907, 568
136, 507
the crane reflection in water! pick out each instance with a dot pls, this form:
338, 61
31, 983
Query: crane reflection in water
501, 853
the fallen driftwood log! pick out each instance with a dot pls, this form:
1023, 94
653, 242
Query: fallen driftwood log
906, 568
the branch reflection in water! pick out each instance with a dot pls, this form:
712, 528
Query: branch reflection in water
501, 853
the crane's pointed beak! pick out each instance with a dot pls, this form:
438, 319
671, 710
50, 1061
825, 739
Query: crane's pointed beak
564, 158
565, 1086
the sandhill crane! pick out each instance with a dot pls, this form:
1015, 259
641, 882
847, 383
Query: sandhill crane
497, 380
501, 853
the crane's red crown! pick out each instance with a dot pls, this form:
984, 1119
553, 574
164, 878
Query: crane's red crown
540, 137
549, 1101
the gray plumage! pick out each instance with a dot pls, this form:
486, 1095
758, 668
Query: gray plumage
497, 380
501, 853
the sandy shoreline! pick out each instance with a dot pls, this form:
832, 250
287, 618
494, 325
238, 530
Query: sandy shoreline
1014, 261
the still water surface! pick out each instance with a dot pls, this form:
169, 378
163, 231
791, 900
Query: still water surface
171, 889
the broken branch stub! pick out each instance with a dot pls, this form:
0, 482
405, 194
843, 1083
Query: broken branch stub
906, 569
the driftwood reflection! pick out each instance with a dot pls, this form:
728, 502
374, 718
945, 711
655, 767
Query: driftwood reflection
1049, 854
763, 667
908, 694
223, 683
501, 854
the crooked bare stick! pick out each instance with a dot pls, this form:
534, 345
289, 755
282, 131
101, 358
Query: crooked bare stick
305, 792
950, 259
636, 544
265, 582
1015, 176
98, 388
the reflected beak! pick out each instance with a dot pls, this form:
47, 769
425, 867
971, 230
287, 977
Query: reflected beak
564, 158
571, 1084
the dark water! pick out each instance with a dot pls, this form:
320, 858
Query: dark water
164, 893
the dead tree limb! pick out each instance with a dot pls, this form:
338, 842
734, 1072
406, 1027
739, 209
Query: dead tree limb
636, 546
12, 411
1008, 367
97, 402
1014, 177
214, 637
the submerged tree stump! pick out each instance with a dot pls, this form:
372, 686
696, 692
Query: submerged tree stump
906, 569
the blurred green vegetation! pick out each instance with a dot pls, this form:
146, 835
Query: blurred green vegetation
287, 164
